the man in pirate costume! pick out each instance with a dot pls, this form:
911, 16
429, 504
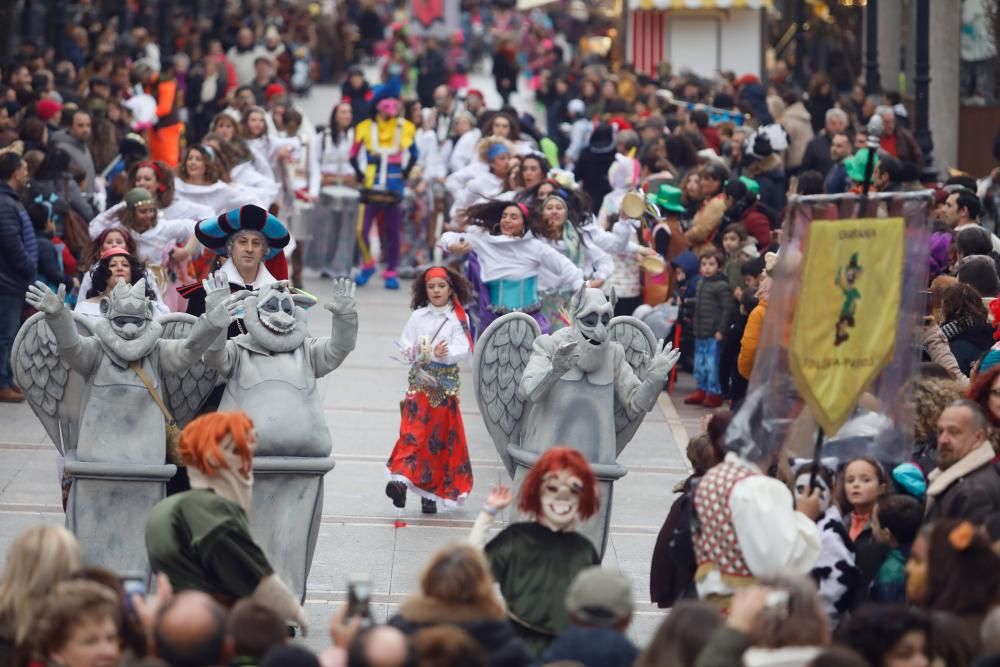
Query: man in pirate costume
390, 151
247, 237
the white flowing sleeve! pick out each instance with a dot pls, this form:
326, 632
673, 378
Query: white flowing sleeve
600, 262
458, 342
411, 331
315, 176
568, 273
774, 537
105, 219
178, 230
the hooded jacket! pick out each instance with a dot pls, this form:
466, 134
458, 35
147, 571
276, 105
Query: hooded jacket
494, 633
18, 247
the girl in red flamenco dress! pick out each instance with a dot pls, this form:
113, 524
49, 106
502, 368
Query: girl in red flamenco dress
431, 458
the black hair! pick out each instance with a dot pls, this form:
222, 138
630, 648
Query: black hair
973, 241
460, 287
968, 200
515, 126
101, 273
892, 167
966, 182
699, 117
981, 273
838, 656
680, 151
810, 183
873, 630
488, 213
9, 163
55, 165
910, 173
752, 267
902, 515
39, 214
716, 172
289, 656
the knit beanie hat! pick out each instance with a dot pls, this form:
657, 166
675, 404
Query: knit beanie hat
137, 196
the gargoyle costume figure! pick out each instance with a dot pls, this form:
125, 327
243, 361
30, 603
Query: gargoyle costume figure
587, 386
271, 373
96, 388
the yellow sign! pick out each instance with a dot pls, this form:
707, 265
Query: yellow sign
844, 328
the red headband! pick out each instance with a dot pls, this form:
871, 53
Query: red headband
160, 187
463, 318
523, 209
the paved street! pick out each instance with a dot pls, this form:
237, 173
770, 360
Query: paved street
359, 532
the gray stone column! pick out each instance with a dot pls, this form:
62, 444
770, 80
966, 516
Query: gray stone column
890, 23
946, 26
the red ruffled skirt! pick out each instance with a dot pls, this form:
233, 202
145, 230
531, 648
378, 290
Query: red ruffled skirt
431, 456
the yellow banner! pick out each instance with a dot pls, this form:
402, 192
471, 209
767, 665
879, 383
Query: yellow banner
844, 328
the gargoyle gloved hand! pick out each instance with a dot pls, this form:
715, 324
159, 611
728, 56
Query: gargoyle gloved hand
41, 297
656, 375
343, 299
216, 290
564, 358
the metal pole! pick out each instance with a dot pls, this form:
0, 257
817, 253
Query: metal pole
800, 42
922, 80
873, 85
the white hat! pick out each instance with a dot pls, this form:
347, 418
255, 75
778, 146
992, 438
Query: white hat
576, 106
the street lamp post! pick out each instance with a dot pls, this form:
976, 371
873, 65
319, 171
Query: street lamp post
922, 80
873, 85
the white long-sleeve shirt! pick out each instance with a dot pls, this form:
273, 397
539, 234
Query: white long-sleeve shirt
437, 324
247, 176
179, 209
463, 152
595, 263
457, 181
483, 186
219, 196
773, 537
516, 257
431, 155
152, 243
328, 156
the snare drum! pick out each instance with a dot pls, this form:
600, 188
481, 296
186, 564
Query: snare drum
337, 197
378, 197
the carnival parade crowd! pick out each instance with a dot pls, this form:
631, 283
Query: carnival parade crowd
189, 181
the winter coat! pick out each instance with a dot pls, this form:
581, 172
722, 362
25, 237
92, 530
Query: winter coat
18, 247
706, 222
968, 341
66, 189
758, 225
798, 124
591, 647
493, 632
687, 261
817, 155
360, 100
973, 496
79, 154
751, 339
772, 179
714, 305
591, 171
671, 572
49, 269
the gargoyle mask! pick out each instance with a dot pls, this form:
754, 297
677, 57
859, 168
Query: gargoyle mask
275, 319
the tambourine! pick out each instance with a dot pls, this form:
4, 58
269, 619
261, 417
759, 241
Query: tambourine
654, 264
633, 204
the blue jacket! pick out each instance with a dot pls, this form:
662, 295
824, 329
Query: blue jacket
18, 248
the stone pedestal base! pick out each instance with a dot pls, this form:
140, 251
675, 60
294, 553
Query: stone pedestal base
109, 504
287, 507
596, 527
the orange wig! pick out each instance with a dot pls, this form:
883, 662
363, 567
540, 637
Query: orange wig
552, 461
200, 441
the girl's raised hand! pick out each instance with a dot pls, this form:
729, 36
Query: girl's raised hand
500, 497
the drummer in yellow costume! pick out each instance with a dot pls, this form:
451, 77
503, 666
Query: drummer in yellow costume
390, 152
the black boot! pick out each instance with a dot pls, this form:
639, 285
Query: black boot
397, 492
428, 506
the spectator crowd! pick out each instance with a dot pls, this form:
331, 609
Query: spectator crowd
669, 188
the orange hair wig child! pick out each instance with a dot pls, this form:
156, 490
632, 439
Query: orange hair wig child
200, 445
554, 460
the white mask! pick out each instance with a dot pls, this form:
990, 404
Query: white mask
230, 483
560, 498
